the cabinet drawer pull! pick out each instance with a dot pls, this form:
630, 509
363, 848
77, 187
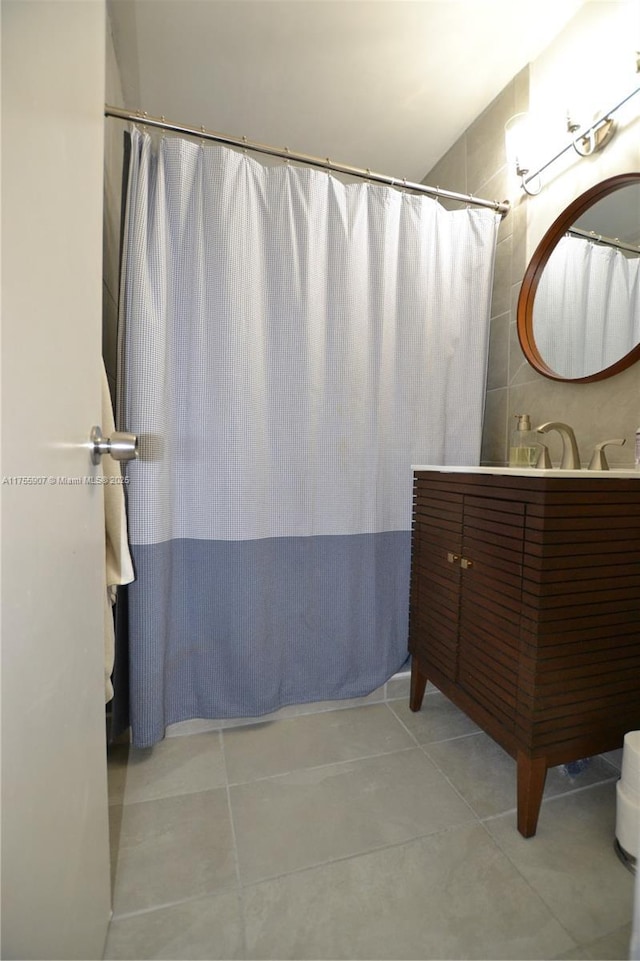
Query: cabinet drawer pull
453, 558
465, 562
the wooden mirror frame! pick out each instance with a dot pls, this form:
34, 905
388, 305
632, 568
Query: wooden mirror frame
533, 275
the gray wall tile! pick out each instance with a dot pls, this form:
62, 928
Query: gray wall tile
597, 411
498, 371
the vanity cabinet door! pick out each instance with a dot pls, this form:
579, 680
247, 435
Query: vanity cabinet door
435, 577
466, 586
490, 604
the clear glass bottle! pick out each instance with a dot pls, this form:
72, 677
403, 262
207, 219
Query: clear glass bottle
523, 447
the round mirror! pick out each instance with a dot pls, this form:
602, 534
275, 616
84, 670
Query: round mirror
579, 306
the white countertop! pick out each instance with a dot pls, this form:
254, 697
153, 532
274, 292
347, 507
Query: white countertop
530, 471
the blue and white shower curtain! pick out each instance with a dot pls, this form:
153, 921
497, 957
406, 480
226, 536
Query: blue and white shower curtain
291, 345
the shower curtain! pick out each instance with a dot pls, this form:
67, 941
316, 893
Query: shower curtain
291, 345
587, 313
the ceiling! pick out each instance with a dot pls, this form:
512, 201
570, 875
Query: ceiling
387, 85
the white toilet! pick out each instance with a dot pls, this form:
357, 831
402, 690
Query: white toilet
627, 840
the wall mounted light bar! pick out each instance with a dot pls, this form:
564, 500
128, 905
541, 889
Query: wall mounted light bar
585, 142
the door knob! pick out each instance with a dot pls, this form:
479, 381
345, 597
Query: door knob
120, 445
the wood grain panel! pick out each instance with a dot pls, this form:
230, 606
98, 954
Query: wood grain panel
539, 640
434, 591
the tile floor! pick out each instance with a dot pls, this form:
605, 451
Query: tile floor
358, 831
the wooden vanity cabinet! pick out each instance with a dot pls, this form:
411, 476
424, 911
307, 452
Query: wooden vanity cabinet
525, 612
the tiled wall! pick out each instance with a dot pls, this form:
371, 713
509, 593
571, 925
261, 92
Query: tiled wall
477, 164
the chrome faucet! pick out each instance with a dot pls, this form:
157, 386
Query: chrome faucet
570, 455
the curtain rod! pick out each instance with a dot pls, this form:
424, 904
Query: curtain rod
138, 116
601, 239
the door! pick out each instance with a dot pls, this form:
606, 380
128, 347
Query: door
55, 865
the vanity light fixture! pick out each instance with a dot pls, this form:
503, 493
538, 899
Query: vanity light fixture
519, 141
593, 139
585, 141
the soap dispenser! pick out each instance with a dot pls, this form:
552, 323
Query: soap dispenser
523, 448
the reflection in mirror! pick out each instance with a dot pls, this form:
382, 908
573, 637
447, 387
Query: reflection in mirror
579, 308
586, 315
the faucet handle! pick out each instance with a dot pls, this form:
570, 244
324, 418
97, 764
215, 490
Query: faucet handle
598, 459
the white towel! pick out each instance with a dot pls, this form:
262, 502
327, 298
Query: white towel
119, 566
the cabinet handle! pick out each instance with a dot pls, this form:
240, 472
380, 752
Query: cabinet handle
453, 558
465, 562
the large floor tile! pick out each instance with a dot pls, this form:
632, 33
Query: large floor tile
571, 862
485, 775
398, 687
613, 947
451, 895
171, 849
210, 928
614, 758
311, 816
311, 740
177, 765
437, 720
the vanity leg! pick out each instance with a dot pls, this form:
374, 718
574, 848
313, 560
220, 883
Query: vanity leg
532, 773
418, 685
